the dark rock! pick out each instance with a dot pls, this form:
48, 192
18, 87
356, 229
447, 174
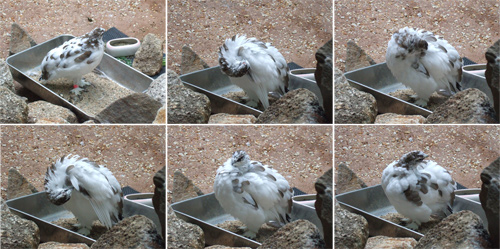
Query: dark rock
459, 230
324, 205
323, 76
158, 88
18, 185
493, 74
159, 202
161, 117
470, 106
184, 188
181, 234
351, 230
299, 106
6, 79
133, 232
13, 109
297, 234
356, 57
52, 245
393, 118
224, 118
191, 61
18, 232
45, 112
19, 39
381, 242
352, 106
490, 193
134, 108
346, 180
149, 58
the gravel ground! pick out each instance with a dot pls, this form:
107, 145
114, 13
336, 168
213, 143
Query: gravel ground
296, 28
462, 150
133, 153
300, 153
44, 20
471, 26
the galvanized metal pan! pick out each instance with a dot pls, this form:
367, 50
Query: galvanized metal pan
22, 63
205, 211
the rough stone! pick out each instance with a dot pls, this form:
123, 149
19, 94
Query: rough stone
158, 88
324, 205
132, 232
299, 106
161, 117
351, 230
489, 195
173, 79
20, 40
18, 185
184, 188
17, 232
226, 247
352, 106
159, 202
149, 58
296, 234
224, 118
6, 79
134, 108
13, 109
323, 76
381, 242
181, 234
4, 208
393, 118
57, 245
459, 230
493, 74
346, 180
356, 57
191, 61
45, 112
470, 106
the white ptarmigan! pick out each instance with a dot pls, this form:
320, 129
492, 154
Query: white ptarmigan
73, 59
418, 188
253, 193
424, 62
88, 190
256, 67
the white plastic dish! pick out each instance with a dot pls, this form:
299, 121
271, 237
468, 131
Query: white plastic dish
122, 46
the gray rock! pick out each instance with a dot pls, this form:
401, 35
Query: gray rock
356, 57
161, 117
324, 205
19, 39
159, 202
459, 230
4, 208
191, 61
57, 245
470, 106
13, 109
132, 232
351, 230
352, 106
493, 74
490, 191
158, 89
184, 188
381, 242
6, 79
45, 112
297, 234
299, 106
224, 118
346, 180
18, 185
324, 79
18, 232
185, 106
181, 234
226, 247
173, 79
135, 108
149, 58
393, 118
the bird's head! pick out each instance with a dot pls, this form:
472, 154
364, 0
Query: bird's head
57, 184
233, 68
411, 159
240, 159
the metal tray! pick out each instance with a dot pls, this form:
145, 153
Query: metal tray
38, 208
205, 211
213, 83
372, 203
29, 60
379, 81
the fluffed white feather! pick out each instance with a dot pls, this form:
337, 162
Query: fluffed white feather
253, 193
418, 188
424, 62
256, 67
88, 190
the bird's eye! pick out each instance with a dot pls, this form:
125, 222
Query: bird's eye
394, 175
